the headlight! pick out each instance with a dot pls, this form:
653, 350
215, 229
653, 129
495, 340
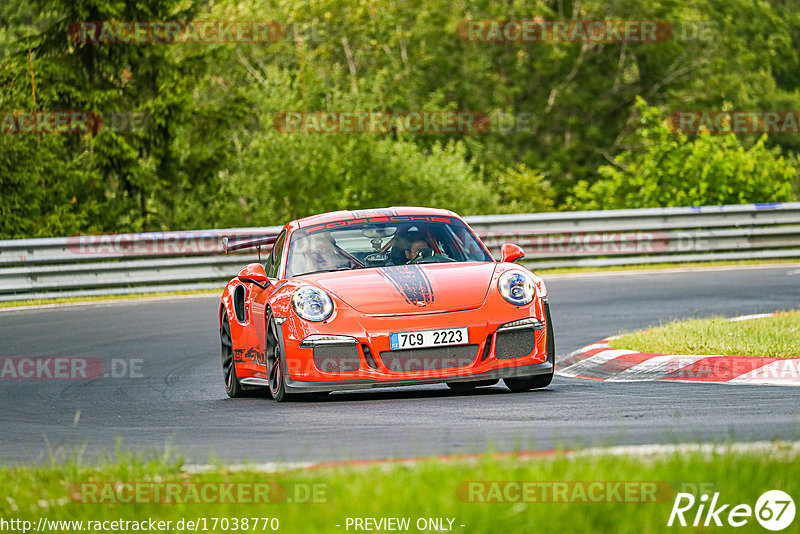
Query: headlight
516, 287
312, 304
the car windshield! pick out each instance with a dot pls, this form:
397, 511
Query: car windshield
358, 244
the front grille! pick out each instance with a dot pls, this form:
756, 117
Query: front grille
514, 343
402, 361
337, 358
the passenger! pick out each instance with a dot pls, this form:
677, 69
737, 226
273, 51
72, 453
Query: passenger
322, 254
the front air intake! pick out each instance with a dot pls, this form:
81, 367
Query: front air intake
517, 339
514, 343
337, 358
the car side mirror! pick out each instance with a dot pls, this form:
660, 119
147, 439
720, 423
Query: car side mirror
254, 273
511, 253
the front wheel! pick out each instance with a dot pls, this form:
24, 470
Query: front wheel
529, 382
277, 387
539, 381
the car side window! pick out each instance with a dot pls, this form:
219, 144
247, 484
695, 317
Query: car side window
274, 261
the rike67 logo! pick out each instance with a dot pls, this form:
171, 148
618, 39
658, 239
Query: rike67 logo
774, 510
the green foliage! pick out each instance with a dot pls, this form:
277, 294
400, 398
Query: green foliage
209, 156
282, 177
671, 170
39, 189
278, 177
109, 180
520, 189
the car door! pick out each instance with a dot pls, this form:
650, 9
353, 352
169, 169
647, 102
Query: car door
256, 298
260, 296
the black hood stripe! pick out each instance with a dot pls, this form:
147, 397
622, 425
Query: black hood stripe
411, 282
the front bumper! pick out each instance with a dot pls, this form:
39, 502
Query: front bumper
297, 386
370, 363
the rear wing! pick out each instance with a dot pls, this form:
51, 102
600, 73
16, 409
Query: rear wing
232, 244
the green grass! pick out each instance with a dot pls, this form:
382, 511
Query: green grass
431, 488
426, 489
100, 298
776, 336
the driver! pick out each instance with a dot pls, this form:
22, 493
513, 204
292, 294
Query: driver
409, 247
419, 248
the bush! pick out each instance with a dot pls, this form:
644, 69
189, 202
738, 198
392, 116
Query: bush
669, 169
274, 177
520, 189
286, 176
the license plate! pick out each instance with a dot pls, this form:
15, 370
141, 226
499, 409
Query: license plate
429, 338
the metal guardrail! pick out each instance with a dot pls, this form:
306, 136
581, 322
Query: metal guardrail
647, 236
165, 261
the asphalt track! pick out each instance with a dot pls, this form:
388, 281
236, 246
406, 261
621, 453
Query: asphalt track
179, 400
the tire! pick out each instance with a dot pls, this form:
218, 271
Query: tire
466, 387
274, 357
527, 383
232, 386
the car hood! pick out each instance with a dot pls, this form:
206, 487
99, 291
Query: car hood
404, 289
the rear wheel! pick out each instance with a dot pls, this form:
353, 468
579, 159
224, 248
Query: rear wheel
466, 387
232, 386
277, 387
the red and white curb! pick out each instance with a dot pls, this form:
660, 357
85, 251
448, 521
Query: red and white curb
601, 361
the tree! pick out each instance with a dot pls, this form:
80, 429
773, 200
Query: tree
669, 169
277, 176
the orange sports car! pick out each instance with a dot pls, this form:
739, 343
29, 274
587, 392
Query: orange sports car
378, 298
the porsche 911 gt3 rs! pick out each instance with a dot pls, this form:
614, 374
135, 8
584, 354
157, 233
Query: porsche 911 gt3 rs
386, 297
